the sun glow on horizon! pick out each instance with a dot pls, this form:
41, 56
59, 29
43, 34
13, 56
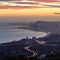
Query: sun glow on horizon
30, 12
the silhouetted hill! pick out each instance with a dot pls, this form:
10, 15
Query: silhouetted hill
52, 27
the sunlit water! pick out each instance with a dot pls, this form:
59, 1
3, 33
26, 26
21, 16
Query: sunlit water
7, 35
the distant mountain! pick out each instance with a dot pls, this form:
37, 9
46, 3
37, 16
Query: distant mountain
52, 27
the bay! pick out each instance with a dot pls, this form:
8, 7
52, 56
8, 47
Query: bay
8, 34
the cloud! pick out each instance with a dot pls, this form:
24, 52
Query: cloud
35, 0
28, 4
20, 4
51, 4
48, 0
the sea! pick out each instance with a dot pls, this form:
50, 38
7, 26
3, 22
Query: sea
8, 34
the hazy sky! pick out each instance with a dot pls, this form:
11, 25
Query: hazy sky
42, 10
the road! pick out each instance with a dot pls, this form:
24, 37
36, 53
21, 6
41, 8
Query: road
41, 42
28, 48
34, 53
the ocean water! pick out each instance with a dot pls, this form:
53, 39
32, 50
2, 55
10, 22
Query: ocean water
8, 34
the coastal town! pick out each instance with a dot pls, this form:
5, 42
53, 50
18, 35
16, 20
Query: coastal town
41, 48
30, 48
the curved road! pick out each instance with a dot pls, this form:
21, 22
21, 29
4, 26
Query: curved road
30, 50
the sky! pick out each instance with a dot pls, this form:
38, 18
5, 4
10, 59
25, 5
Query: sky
29, 10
